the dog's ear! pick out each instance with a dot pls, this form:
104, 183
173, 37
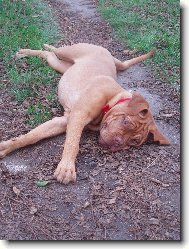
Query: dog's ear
138, 105
156, 136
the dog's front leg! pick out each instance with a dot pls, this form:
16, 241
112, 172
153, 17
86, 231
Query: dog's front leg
65, 171
48, 129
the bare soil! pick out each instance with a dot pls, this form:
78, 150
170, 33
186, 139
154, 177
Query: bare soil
127, 195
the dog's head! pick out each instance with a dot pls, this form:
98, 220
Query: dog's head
129, 124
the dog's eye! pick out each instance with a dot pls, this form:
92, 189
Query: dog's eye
126, 122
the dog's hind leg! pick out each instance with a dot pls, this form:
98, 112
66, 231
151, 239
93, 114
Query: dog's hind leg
120, 66
57, 64
48, 129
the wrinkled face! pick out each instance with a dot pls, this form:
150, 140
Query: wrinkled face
122, 131
129, 125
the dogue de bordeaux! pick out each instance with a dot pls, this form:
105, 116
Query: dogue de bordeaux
92, 99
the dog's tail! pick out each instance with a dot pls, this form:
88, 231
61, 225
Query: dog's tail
126, 64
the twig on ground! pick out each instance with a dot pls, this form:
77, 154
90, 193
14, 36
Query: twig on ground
93, 216
47, 234
152, 163
1, 213
71, 229
16, 201
33, 232
92, 209
10, 207
105, 232
159, 182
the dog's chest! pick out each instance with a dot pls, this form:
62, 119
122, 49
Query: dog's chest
68, 93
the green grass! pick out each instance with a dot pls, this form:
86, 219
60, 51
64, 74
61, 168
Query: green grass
38, 113
28, 24
145, 24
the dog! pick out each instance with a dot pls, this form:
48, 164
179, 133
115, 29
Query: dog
92, 99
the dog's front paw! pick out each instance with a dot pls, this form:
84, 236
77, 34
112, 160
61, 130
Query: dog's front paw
5, 148
65, 172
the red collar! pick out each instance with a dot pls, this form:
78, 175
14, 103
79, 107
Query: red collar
106, 108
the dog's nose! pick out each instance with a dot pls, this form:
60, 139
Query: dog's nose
103, 143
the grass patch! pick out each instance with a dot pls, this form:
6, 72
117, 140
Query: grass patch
28, 24
38, 113
145, 24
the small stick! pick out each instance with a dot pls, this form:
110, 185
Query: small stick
71, 229
1, 212
10, 207
33, 233
105, 232
150, 164
159, 182
147, 166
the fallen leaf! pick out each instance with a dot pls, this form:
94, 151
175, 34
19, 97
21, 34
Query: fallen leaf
87, 203
119, 188
42, 183
130, 52
112, 201
53, 208
154, 221
16, 190
33, 210
126, 51
80, 217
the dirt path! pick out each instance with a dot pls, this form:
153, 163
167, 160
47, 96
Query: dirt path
127, 195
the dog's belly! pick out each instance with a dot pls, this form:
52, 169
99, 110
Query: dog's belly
78, 78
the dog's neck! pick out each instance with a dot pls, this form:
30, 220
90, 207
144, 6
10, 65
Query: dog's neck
117, 99
107, 107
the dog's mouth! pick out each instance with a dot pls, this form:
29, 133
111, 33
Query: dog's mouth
113, 147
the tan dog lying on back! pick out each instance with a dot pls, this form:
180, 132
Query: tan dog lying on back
91, 98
